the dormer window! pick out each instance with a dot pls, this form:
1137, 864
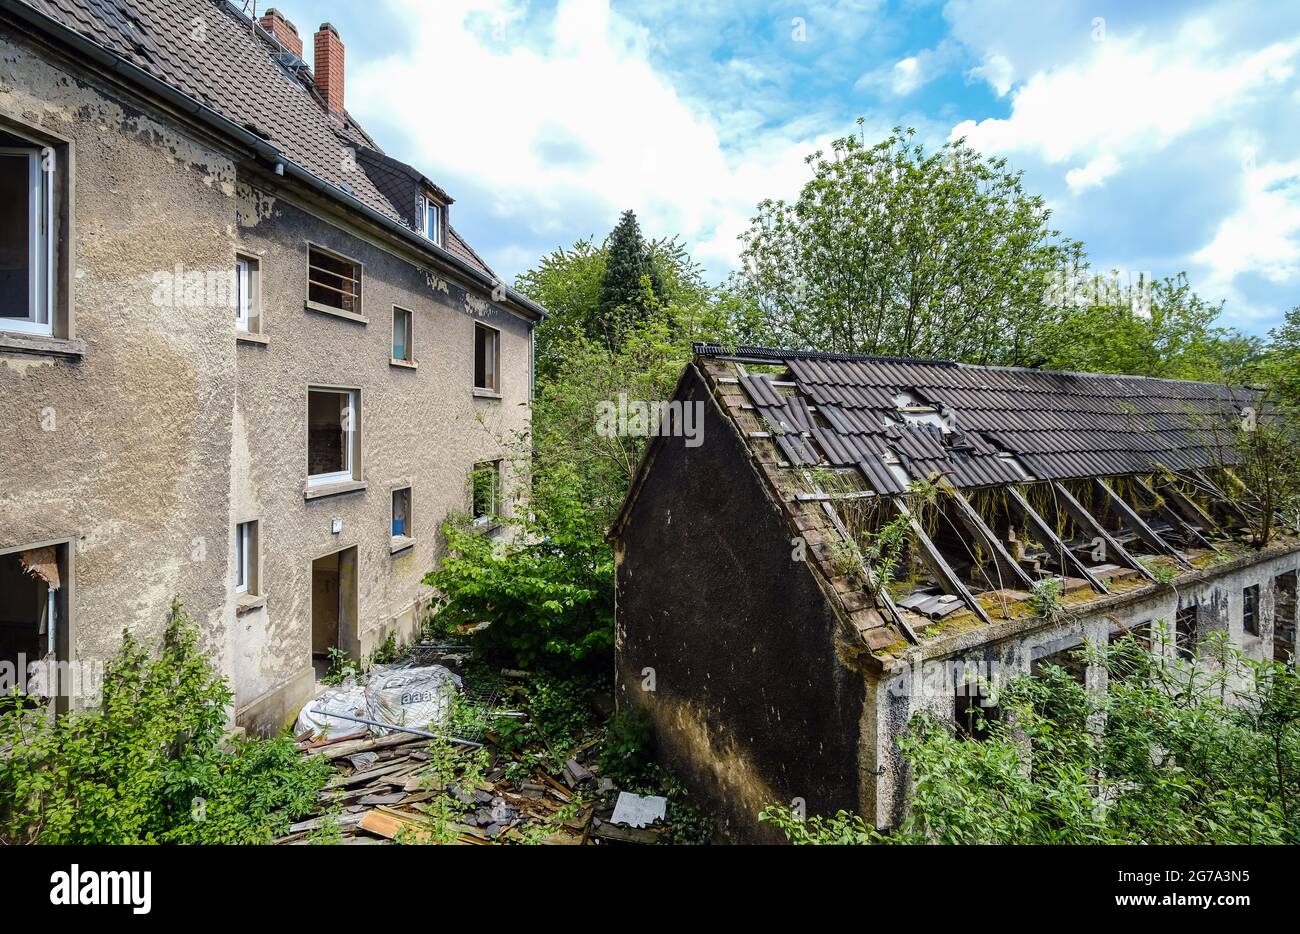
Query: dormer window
431, 219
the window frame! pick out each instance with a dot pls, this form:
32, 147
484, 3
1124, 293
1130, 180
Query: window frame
392, 512
495, 380
351, 448
247, 559
494, 515
357, 312
399, 312
432, 206
42, 181
1250, 595
243, 297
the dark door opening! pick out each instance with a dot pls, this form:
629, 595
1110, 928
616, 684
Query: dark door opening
34, 623
333, 607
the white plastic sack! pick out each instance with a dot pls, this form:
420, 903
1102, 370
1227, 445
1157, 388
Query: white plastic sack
409, 696
348, 698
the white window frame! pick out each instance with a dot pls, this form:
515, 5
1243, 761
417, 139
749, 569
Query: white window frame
406, 314
40, 242
242, 538
243, 297
492, 516
350, 415
431, 219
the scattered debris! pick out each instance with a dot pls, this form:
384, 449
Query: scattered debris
639, 810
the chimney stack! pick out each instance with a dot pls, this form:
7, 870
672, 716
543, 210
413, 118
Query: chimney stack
328, 68
273, 21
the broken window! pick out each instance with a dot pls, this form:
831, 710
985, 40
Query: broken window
487, 358
26, 238
486, 483
402, 513
33, 621
333, 281
1185, 631
332, 416
1284, 616
1250, 610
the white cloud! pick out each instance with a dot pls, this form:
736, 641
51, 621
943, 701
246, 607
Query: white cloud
911, 72
997, 70
1093, 174
1262, 237
566, 121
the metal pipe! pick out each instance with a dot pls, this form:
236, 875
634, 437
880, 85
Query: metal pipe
393, 726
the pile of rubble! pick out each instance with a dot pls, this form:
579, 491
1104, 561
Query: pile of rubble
386, 789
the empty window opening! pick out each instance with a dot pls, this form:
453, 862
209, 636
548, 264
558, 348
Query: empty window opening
333, 282
34, 623
1250, 610
1072, 660
487, 358
402, 326
1185, 637
246, 555
973, 718
486, 483
332, 416
1284, 616
248, 316
402, 513
26, 238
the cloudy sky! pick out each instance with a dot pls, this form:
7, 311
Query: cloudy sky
1163, 134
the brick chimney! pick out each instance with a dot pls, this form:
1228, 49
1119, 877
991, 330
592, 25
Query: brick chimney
273, 21
327, 68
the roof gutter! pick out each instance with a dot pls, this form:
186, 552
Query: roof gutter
266, 150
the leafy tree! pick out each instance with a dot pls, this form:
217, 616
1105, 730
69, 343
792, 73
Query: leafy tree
1167, 333
1280, 367
152, 764
567, 283
893, 250
1171, 753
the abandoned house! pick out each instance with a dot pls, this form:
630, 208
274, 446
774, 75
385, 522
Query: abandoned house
857, 539
246, 361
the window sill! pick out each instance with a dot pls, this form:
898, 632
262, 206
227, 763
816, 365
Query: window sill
408, 364
247, 603
41, 344
487, 527
248, 337
400, 543
332, 489
486, 393
336, 312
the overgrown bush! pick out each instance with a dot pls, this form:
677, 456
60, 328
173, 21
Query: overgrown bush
1172, 753
548, 602
628, 754
152, 764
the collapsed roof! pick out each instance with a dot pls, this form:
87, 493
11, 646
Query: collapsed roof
1002, 477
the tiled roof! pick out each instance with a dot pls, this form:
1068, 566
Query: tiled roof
904, 420
208, 50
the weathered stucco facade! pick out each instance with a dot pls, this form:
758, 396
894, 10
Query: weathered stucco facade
137, 436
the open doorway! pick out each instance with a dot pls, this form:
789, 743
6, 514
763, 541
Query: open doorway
34, 586
333, 607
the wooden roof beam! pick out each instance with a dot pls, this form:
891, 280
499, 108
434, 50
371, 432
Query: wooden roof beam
937, 565
1086, 520
1139, 525
1066, 558
1188, 529
976, 525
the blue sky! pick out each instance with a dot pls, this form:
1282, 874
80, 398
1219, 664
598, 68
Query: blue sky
1163, 135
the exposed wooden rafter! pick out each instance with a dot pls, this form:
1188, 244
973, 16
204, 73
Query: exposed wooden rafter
1066, 557
976, 525
1189, 528
1090, 523
1139, 525
938, 566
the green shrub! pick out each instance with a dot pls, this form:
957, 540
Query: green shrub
152, 763
547, 602
628, 754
